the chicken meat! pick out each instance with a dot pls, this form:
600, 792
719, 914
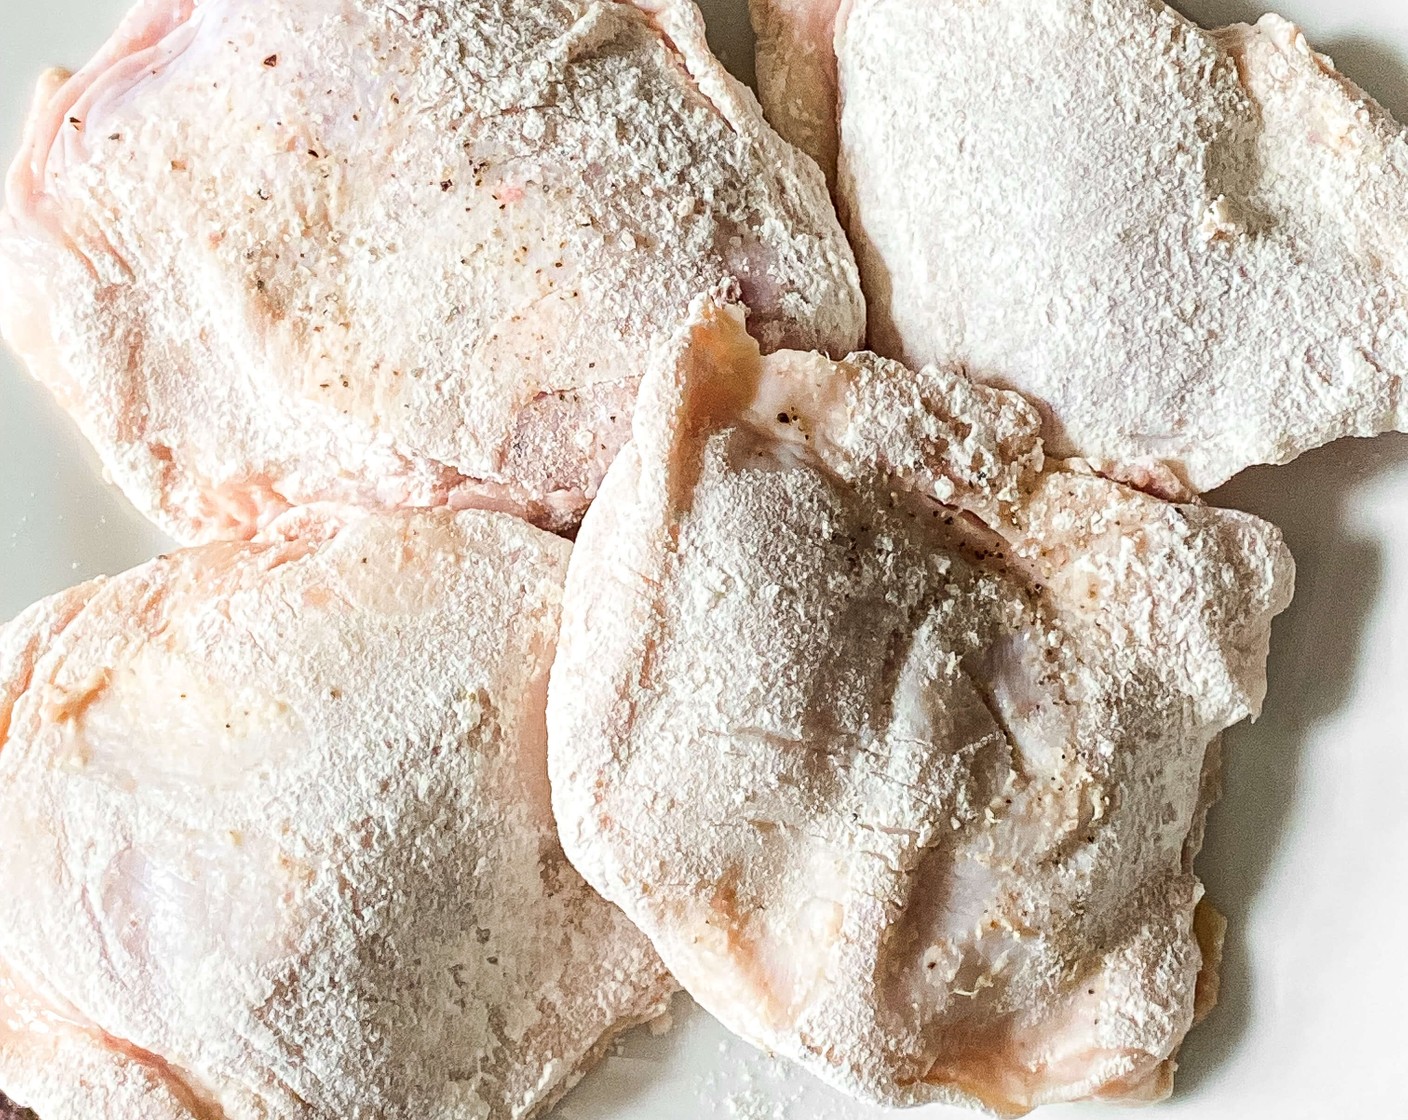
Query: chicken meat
1186, 246
896, 739
278, 814
278, 252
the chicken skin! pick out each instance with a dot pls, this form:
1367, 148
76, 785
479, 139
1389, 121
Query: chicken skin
278, 816
1185, 246
896, 738
394, 255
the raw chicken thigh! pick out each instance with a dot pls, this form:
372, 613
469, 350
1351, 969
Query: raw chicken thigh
1183, 245
276, 252
279, 817
796, 62
896, 741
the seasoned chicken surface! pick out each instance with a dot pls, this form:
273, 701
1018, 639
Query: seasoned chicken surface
896, 740
796, 62
279, 820
270, 253
1184, 245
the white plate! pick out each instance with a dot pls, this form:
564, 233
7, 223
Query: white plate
1307, 853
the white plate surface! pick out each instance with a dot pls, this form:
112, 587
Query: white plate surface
1308, 850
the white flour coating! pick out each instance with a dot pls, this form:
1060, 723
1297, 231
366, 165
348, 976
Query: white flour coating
1184, 245
905, 789
279, 816
394, 254
796, 60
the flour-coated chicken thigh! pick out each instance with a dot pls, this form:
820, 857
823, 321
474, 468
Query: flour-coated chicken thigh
271, 253
278, 840
1187, 247
897, 739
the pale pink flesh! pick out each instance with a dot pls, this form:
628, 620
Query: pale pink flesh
279, 816
1186, 246
797, 81
893, 737
310, 251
